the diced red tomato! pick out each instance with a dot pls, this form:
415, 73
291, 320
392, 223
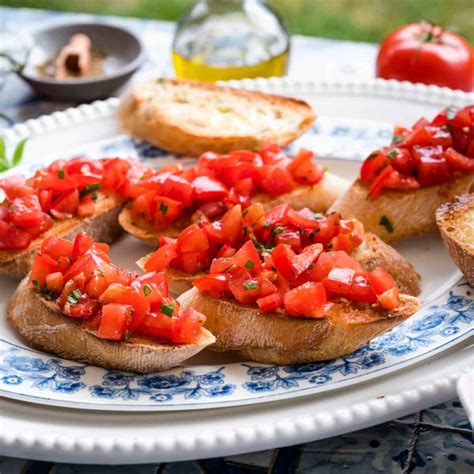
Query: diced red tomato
161, 258
54, 282
270, 303
57, 247
82, 243
214, 284
42, 266
15, 187
26, 211
380, 280
65, 206
187, 326
389, 299
283, 257
115, 321
307, 300
303, 170
206, 187
459, 161
157, 325
277, 180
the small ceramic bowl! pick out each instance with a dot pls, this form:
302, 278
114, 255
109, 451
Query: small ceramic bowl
124, 55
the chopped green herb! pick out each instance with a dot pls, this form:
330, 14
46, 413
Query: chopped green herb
73, 296
249, 264
61, 174
6, 163
277, 230
36, 284
89, 189
397, 139
318, 216
163, 208
392, 153
146, 290
267, 225
94, 196
384, 221
167, 309
250, 285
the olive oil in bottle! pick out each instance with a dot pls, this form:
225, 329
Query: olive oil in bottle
230, 39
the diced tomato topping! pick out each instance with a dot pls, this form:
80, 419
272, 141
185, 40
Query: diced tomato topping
306, 300
303, 169
115, 321
428, 154
118, 302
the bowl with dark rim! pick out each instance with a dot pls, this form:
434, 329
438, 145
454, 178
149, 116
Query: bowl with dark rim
123, 55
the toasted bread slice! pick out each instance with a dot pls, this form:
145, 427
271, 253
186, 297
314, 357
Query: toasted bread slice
277, 339
372, 253
317, 198
190, 117
455, 221
102, 226
42, 325
396, 215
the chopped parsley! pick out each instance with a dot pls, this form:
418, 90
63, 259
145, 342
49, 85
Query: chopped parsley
61, 174
36, 285
167, 309
163, 208
73, 296
249, 264
277, 230
94, 196
384, 221
392, 153
397, 139
146, 290
250, 285
267, 225
89, 189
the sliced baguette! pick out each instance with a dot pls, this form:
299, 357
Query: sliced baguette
317, 198
409, 212
455, 221
372, 253
102, 226
277, 339
43, 326
190, 117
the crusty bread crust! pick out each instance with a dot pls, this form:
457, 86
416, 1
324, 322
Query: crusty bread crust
455, 221
410, 212
169, 114
372, 253
43, 326
317, 198
102, 226
277, 339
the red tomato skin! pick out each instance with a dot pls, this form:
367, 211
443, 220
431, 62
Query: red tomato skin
306, 300
157, 325
447, 60
187, 326
115, 321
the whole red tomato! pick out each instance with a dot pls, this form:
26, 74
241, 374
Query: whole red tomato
426, 53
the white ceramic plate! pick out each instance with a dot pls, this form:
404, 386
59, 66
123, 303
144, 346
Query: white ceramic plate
353, 120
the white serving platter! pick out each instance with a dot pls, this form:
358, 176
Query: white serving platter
354, 119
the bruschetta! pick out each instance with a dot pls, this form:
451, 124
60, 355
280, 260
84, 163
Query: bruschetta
190, 117
191, 253
172, 198
78, 305
296, 308
455, 221
401, 186
61, 200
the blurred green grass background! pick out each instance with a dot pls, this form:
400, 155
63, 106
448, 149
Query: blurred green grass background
358, 20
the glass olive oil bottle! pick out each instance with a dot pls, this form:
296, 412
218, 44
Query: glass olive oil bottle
230, 39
